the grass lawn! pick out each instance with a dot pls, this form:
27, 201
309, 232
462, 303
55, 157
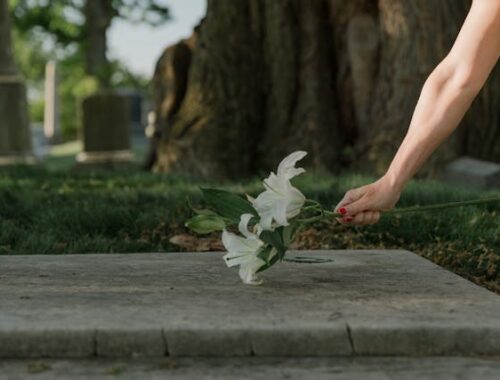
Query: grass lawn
47, 211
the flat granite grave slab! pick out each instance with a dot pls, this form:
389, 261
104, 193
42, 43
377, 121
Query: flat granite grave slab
189, 304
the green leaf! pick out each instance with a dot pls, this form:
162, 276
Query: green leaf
205, 224
275, 239
199, 211
270, 260
227, 204
265, 254
289, 233
204, 211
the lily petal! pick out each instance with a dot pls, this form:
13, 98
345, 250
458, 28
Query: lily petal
287, 167
232, 261
266, 221
237, 245
279, 202
243, 252
247, 272
280, 215
243, 226
295, 202
250, 198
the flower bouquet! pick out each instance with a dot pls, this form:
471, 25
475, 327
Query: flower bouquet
269, 223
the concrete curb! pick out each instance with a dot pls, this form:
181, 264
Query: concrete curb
205, 343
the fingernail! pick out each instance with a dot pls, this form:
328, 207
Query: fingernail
342, 210
349, 219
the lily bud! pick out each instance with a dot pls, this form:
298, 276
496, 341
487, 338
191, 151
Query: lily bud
205, 224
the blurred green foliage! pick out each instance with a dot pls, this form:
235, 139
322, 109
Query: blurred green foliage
55, 30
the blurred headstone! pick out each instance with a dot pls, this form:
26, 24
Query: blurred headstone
106, 129
40, 143
135, 107
15, 136
51, 123
136, 113
473, 172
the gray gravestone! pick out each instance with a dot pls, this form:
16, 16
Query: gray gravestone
357, 303
470, 171
106, 129
15, 136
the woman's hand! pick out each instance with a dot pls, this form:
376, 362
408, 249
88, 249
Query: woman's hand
363, 205
446, 96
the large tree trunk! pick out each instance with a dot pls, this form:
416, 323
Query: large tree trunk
15, 135
7, 65
98, 16
414, 36
218, 125
339, 79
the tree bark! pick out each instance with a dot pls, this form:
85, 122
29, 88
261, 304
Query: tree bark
98, 16
338, 79
253, 77
415, 36
7, 66
15, 135
215, 131
479, 135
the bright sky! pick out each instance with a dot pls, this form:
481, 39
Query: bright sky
140, 46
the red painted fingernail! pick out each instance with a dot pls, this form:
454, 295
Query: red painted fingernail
349, 219
343, 211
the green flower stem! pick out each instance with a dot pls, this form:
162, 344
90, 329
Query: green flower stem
439, 206
311, 219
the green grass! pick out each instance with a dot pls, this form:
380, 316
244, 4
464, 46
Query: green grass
46, 211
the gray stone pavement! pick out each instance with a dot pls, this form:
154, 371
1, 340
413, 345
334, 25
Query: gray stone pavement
380, 368
189, 304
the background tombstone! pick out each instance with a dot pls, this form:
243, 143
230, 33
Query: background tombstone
40, 144
472, 172
15, 136
106, 129
136, 100
51, 122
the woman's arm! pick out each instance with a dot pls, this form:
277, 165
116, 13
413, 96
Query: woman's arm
445, 97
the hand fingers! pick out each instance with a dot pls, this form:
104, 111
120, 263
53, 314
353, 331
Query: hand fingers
346, 220
344, 202
375, 217
349, 197
355, 208
361, 219
370, 217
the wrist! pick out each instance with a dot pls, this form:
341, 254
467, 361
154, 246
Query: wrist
396, 183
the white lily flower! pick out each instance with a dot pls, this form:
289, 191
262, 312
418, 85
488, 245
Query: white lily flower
281, 201
287, 168
243, 251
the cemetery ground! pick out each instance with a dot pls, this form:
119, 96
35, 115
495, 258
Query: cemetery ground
53, 210
367, 313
